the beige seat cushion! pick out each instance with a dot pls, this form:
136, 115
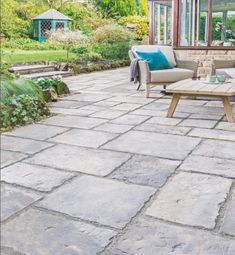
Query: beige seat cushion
229, 72
171, 75
166, 50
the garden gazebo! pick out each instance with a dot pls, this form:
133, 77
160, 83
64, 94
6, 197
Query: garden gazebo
50, 20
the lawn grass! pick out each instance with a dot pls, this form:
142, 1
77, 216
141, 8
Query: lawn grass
23, 56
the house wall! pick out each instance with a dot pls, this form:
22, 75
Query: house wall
205, 58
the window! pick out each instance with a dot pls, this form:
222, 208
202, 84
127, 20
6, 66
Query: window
207, 23
193, 23
45, 27
163, 22
59, 25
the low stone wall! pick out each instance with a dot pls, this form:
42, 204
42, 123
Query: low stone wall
205, 58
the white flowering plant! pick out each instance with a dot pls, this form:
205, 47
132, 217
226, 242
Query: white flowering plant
69, 38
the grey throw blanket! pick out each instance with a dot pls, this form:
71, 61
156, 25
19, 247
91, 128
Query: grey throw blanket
134, 70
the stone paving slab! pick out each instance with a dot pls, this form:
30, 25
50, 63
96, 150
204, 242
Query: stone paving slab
164, 129
114, 128
150, 237
69, 104
87, 97
15, 199
163, 121
200, 116
191, 199
130, 119
224, 167
47, 234
108, 114
37, 132
74, 121
65, 111
9, 157
34, 177
90, 161
153, 144
86, 138
226, 126
146, 170
198, 123
213, 134
108, 202
126, 107
214, 148
22, 145
228, 225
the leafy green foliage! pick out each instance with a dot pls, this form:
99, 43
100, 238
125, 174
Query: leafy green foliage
16, 17
112, 51
48, 83
84, 18
10, 87
117, 8
21, 110
112, 34
141, 23
29, 44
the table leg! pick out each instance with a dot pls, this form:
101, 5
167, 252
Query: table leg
172, 107
228, 109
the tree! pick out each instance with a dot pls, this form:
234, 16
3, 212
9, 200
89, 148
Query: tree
117, 8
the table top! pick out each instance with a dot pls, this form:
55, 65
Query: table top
200, 87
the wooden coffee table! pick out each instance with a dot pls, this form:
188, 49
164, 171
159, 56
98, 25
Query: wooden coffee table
200, 88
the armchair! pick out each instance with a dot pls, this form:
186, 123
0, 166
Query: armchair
182, 69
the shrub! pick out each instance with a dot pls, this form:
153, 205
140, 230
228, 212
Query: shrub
49, 83
29, 44
10, 87
141, 23
112, 34
21, 110
117, 51
80, 50
90, 56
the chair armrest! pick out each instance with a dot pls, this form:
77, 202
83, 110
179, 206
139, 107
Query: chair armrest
144, 72
188, 64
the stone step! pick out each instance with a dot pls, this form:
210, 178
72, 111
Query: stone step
30, 69
47, 74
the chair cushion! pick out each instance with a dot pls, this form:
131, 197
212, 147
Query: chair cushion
155, 59
171, 75
229, 72
166, 50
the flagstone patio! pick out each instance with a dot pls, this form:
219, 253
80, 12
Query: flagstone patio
109, 174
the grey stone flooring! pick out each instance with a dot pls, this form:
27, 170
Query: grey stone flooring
109, 174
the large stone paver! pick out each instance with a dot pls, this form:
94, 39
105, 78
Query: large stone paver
191, 199
14, 199
163, 121
219, 149
150, 237
105, 201
9, 157
38, 132
114, 128
35, 177
208, 165
213, 134
42, 233
161, 145
90, 97
146, 170
74, 121
173, 130
130, 119
198, 123
23, 145
87, 138
108, 114
90, 161
228, 225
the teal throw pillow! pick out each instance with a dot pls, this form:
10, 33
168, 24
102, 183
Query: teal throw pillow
155, 59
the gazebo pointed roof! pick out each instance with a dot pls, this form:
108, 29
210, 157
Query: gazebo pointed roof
52, 14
